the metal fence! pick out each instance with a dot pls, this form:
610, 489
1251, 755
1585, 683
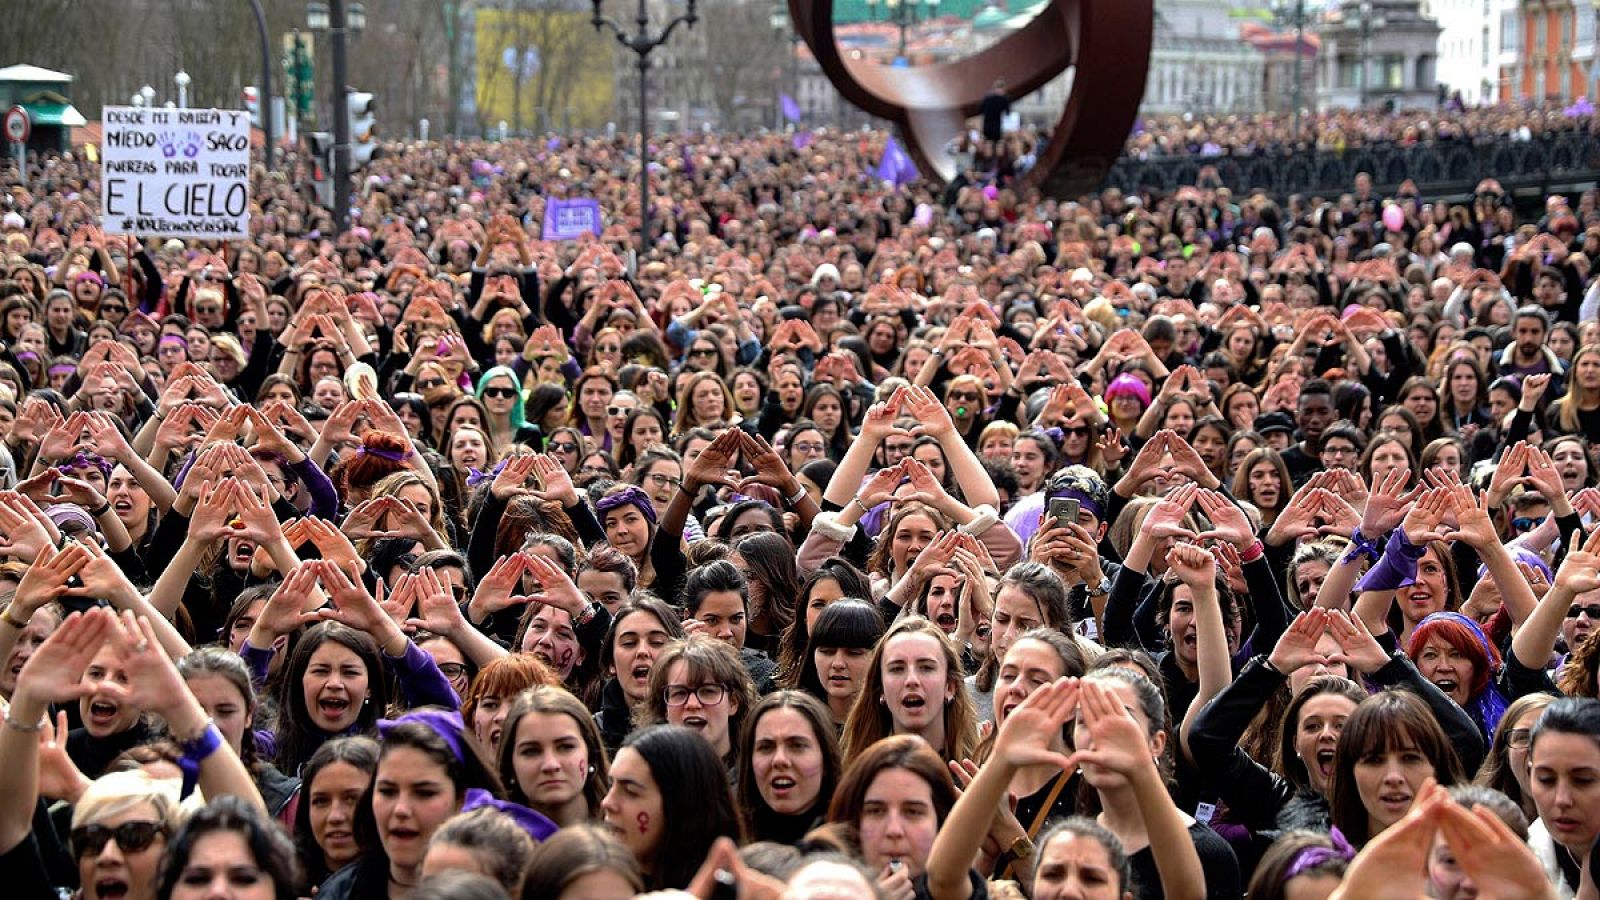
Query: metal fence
1438, 167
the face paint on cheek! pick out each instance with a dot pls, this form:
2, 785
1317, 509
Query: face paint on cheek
566, 657
644, 823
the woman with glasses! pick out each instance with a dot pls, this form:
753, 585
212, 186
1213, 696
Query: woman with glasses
1505, 769
700, 684
659, 472
502, 401
704, 355
566, 445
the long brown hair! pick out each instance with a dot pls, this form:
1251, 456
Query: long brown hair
869, 719
1391, 719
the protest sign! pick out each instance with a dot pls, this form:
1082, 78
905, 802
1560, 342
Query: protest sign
175, 172
566, 220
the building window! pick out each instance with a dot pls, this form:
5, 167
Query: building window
1349, 72
1510, 33
1566, 30
1585, 27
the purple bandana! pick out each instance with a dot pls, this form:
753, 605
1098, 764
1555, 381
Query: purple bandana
81, 460
1313, 858
630, 496
448, 726
475, 477
391, 455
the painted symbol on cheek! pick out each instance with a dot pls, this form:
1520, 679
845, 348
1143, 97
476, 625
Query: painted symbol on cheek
566, 657
644, 823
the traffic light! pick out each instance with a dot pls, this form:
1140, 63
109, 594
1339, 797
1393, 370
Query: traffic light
252, 104
361, 110
319, 151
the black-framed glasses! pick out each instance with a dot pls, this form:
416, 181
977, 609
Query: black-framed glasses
1077, 431
131, 837
562, 446
430, 383
707, 694
661, 480
452, 670
113, 308
1591, 610
702, 352
505, 393
1338, 451
962, 397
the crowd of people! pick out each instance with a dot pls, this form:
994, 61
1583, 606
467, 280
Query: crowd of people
847, 540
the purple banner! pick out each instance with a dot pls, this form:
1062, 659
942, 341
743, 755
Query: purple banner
567, 220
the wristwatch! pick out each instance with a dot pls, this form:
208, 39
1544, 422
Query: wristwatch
1101, 589
1022, 847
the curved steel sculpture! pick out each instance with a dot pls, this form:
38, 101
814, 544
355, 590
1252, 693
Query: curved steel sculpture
1106, 42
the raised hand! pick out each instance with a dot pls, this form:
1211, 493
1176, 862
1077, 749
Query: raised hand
1387, 503
54, 673
512, 479
1194, 565
1426, 518
1228, 522
1029, 731
1356, 643
1297, 646
497, 586
1166, 518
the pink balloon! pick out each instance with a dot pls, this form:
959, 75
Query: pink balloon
1393, 218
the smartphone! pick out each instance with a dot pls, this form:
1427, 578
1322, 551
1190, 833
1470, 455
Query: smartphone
1064, 510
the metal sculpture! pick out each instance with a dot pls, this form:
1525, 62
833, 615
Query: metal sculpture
1106, 42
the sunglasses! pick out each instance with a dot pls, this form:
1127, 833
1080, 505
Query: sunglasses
1077, 431
112, 308
1592, 611
562, 446
131, 837
502, 392
962, 397
431, 383
1526, 523
702, 352
618, 410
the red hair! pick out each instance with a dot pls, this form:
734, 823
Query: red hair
1483, 655
363, 470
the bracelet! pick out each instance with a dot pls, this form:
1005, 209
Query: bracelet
102, 510
1253, 552
799, 495
35, 728
9, 619
857, 501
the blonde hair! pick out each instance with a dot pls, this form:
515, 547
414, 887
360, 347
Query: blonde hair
118, 792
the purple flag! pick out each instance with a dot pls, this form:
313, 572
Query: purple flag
802, 140
896, 166
791, 109
566, 220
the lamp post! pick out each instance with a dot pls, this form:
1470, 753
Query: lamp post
182, 81
642, 42
1370, 19
904, 13
338, 20
266, 80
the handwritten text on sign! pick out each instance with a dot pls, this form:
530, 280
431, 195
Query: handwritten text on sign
176, 172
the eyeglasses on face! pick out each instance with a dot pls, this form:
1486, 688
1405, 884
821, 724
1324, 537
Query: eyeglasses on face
962, 396
660, 480
594, 470
131, 837
1519, 738
707, 694
500, 392
453, 670
618, 410
562, 446
808, 447
1526, 523
430, 383
113, 308
1592, 611
702, 352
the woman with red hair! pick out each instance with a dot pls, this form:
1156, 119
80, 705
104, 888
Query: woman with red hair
1453, 652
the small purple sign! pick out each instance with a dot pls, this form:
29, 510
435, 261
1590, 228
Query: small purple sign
567, 220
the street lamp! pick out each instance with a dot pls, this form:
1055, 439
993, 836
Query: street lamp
642, 42
182, 81
1370, 19
904, 13
338, 20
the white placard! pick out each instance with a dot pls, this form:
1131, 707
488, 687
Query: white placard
175, 172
